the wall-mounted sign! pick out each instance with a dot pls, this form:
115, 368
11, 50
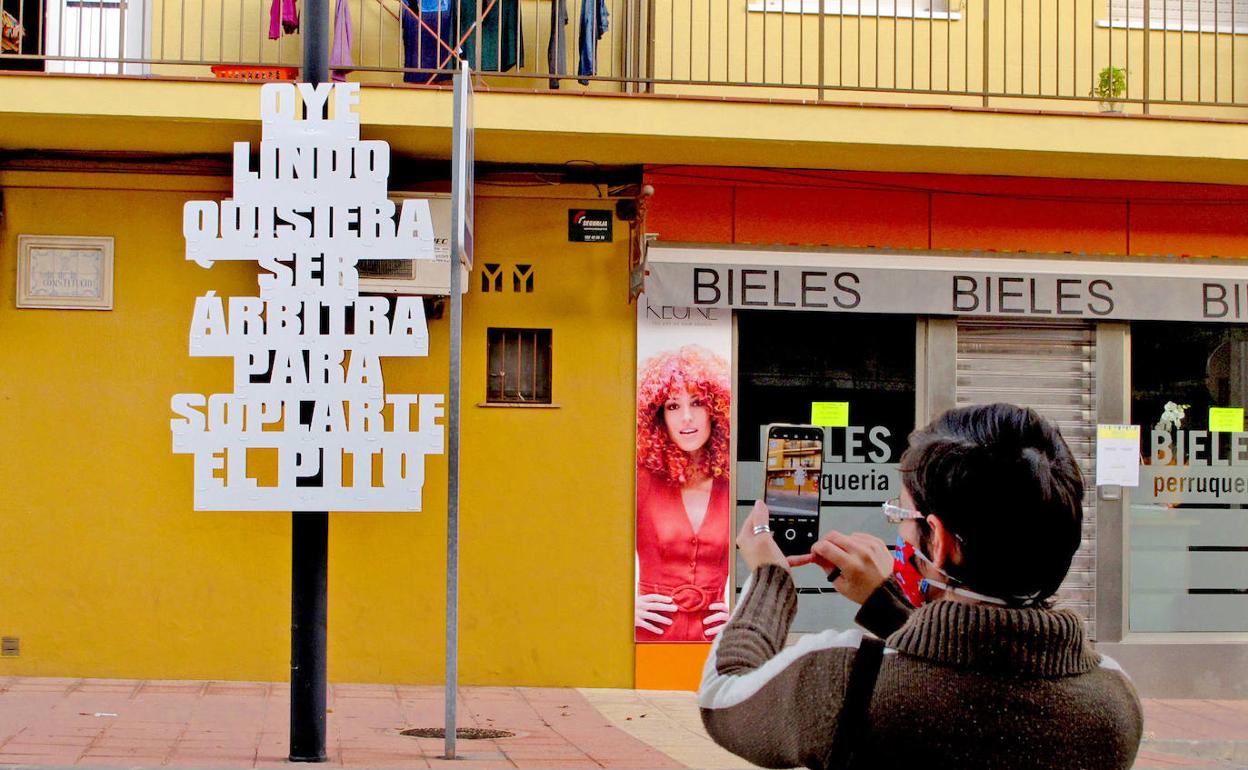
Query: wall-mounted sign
590, 225
1224, 419
684, 408
65, 272
308, 425
1118, 455
923, 283
829, 414
1195, 466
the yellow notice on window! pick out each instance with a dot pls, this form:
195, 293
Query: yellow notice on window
1118, 455
1131, 432
1223, 419
829, 414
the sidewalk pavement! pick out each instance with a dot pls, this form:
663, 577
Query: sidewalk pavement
147, 724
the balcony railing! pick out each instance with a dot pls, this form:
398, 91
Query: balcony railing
1165, 56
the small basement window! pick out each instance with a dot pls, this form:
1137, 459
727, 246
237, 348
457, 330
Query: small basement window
518, 366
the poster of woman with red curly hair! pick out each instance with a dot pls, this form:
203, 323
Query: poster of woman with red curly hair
684, 400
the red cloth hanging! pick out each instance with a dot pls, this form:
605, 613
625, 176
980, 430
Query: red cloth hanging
283, 17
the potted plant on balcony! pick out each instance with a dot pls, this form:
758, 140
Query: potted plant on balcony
1111, 84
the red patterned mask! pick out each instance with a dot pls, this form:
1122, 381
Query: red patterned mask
907, 575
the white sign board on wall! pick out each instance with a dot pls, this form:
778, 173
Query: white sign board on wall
308, 425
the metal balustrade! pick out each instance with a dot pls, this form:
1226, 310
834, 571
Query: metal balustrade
1171, 56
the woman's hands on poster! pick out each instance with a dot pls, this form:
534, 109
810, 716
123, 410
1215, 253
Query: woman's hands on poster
863, 560
717, 616
648, 612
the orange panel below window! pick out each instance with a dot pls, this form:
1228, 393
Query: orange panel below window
670, 666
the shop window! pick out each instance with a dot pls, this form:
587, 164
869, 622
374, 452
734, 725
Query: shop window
1188, 518
788, 362
518, 366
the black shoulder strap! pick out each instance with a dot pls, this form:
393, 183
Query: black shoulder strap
852, 722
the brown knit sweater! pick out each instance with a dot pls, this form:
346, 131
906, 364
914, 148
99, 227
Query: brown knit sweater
961, 686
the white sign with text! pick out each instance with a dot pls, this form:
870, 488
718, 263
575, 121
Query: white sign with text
308, 425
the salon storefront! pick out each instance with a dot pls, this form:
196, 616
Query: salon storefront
904, 295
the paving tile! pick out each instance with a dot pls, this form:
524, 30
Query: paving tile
1147, 760
38, 759
467, 761
128, 761
36, 739
114, 742
375, 758
51, 749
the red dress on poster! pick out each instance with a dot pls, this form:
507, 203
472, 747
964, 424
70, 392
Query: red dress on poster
674, 560
683, 526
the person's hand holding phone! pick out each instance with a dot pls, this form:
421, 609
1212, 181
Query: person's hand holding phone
761, 549
863, 560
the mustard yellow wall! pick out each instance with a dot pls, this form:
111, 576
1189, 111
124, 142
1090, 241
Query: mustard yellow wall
108, 571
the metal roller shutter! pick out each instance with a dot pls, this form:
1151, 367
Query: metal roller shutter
1050, 367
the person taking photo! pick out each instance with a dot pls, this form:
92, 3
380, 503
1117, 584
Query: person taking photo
976, 670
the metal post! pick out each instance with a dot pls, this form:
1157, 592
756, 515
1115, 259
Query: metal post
308, 591
1148, 44
823, 48
452, 511
316, 41
309, 531
984, 54
462, 181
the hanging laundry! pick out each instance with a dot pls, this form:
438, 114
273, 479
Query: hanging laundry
428, 38
557, 48
593, 27
340, 58
283, 17
498, 35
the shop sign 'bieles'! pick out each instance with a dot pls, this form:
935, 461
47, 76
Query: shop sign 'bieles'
932, 283
308, 425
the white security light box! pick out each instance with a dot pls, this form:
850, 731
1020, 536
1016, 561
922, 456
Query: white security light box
309, 403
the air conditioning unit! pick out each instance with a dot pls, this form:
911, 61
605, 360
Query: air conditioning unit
427, 277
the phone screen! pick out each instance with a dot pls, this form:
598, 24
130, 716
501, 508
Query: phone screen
794, 467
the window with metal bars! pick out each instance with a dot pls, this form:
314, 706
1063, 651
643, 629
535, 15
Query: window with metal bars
1186, 15
904, 9
518, 366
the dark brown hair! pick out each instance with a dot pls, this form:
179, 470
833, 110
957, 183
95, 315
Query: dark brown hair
1002, 479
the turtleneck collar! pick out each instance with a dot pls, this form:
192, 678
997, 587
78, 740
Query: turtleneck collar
1024, 642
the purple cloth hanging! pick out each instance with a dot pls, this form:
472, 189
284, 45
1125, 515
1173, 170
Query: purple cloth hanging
283, 17
340, 59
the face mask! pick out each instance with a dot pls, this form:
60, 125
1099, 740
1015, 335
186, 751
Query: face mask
914, 586
908, 577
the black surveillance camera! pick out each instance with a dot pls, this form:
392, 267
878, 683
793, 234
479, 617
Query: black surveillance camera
626, 209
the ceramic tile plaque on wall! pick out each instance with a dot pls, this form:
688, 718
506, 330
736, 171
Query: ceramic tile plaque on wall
65, 272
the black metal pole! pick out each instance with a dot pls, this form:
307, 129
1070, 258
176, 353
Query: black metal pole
316, 41
309, 531
308, 593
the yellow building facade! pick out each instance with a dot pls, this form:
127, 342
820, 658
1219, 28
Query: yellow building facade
116, 575
979, 110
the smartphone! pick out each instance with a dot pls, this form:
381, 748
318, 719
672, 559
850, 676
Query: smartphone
794, 467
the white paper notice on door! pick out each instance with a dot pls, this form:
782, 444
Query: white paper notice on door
1118, 455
